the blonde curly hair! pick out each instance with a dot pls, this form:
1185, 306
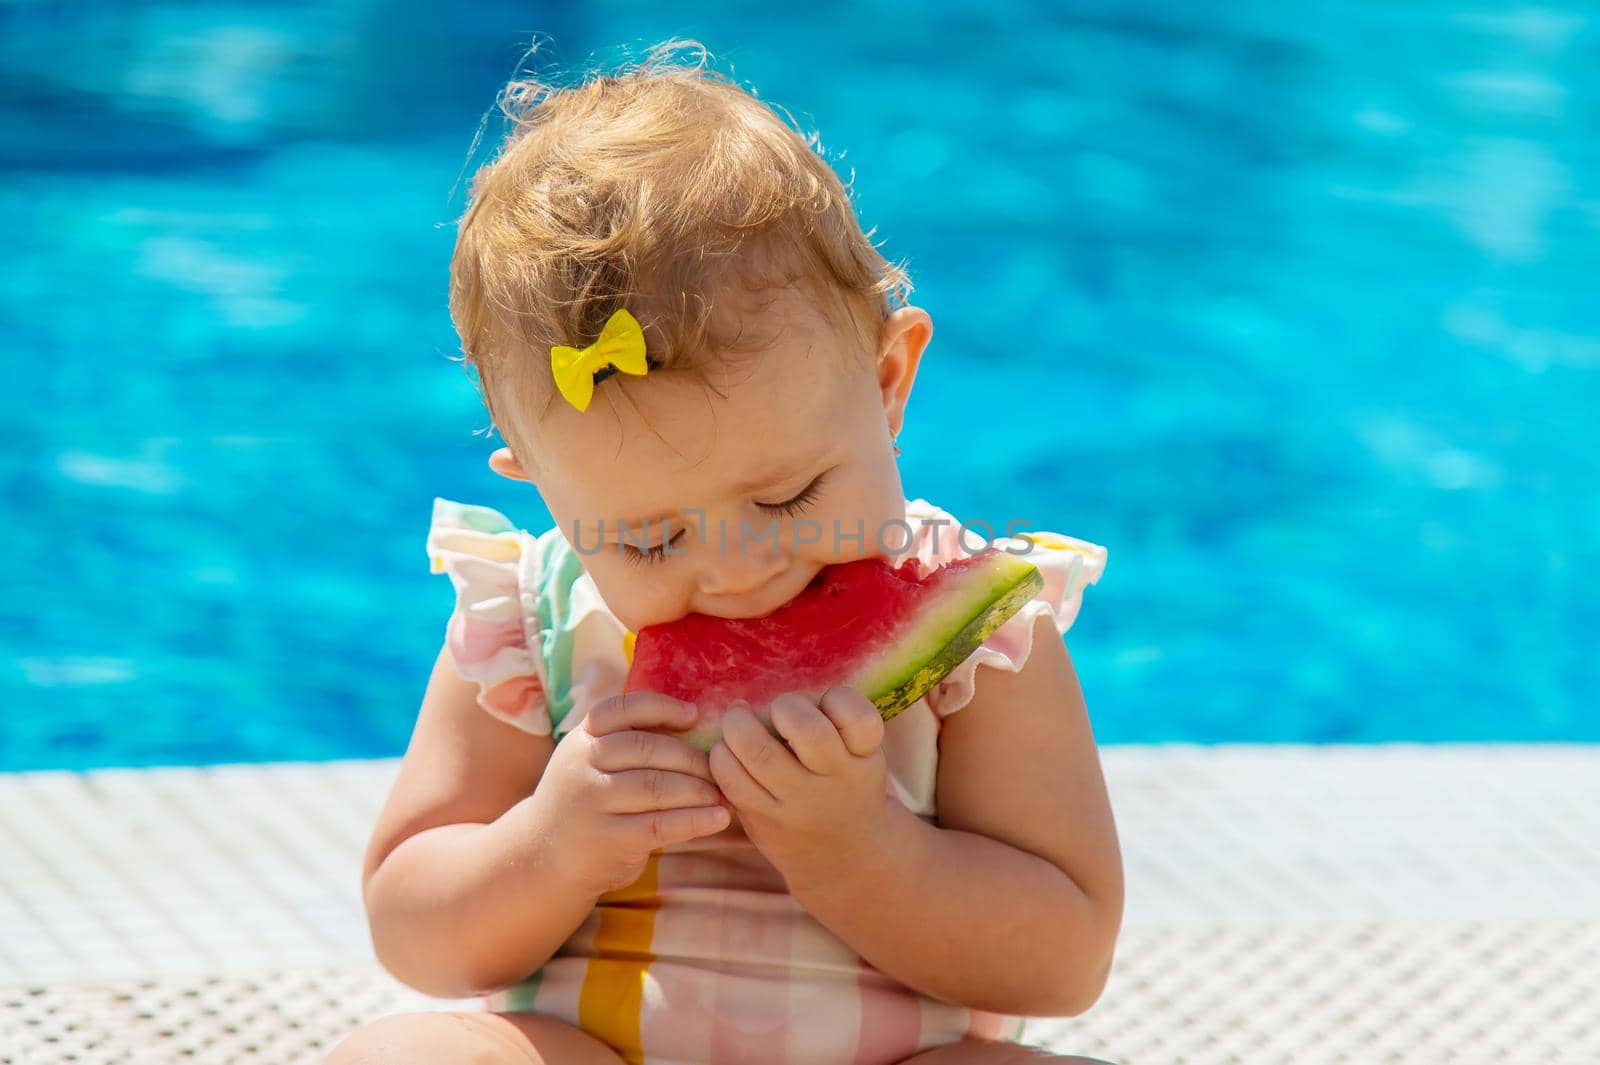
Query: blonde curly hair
654, 187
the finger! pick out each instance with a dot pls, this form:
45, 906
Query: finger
761, 753
859, 723
658, 828
736, 783
638, 790
633, 749
813, 738
638, 710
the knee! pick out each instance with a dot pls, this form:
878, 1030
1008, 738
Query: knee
415, 1039
390, 1041
994, 1052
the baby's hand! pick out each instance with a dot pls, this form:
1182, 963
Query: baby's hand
612, 793
818, 803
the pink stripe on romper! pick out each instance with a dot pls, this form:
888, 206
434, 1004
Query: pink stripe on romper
891, 1019
750, 1021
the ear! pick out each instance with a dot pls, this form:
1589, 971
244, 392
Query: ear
901, 341
503, 462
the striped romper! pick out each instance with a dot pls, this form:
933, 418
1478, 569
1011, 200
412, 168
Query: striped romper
706, 958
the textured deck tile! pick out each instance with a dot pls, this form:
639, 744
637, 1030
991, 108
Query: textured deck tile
1399, 903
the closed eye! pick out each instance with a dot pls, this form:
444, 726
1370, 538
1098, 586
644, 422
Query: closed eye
795, 504
643, 556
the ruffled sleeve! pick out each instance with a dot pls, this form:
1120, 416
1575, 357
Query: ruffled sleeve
492, 631
1067, 564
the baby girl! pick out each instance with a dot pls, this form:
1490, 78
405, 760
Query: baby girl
682, 335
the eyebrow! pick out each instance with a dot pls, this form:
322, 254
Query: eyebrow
766, 479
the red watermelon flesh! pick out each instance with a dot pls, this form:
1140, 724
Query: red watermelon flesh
887, 631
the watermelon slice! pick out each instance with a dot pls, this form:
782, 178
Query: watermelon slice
889, 632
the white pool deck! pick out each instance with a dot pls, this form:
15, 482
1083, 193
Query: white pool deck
1397, 903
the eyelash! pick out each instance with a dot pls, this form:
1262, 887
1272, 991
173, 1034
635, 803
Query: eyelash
644, 556
789, 507
794, 505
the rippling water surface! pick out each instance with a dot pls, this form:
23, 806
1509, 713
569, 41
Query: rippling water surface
1291, 306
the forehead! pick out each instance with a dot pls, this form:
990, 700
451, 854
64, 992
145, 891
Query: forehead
648, 446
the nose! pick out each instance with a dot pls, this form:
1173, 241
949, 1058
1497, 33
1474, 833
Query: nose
734, 572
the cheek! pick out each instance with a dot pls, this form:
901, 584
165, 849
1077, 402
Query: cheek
872, 501
638, 595
888, 492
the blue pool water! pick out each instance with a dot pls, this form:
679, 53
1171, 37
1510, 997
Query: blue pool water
1291, 306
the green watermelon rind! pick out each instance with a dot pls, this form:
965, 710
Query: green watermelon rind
945, 637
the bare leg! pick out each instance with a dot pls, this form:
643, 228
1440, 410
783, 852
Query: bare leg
471, 1039
986, 1052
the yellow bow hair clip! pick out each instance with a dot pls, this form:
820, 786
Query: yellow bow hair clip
620, 345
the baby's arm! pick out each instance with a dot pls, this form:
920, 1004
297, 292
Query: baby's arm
494, 844
448, 915
1014, 902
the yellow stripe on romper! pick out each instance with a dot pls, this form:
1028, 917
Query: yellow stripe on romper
613, 987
